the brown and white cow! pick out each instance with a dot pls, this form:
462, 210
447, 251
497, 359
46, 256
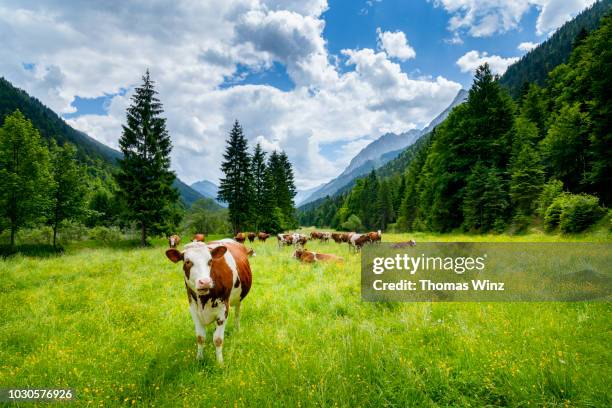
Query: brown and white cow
310, 257
375, 236
240, 237
284, 239
262, 236
357, 241
315, 235
251, 236
325, 236
337, 237
217, 276
346, 237
198, 238
174, 241
406, 244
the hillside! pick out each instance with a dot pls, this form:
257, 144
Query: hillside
100, 159
379, 152
534, 66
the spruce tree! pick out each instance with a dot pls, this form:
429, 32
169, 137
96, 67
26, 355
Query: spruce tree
145, 180
384, 206
258, 172
284, 187
235, 188
67, 190
526, 180
24, 173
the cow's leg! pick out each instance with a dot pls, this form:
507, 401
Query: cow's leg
200, 330
237, 316
220, 331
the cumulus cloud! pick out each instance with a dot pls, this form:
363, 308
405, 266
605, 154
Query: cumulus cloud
198, 53
483, 18
527, 46
395, 44
473, 59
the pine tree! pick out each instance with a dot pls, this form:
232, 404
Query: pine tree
258, 172
236, 186
526, 180
384, 206
284, 188
145, 180
272, 220
24, 173
67, 190
485, 201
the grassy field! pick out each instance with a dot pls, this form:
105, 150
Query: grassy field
113, 324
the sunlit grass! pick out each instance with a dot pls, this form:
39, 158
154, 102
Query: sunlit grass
113, 324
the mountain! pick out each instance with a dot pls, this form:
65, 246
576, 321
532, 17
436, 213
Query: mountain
304, 194
379, 152
98, 157
206, 188
534, 66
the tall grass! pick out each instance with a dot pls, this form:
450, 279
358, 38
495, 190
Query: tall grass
113, 323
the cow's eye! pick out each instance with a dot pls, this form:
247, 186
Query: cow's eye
188, 263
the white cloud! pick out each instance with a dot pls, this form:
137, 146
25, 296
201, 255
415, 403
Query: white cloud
473, 59
192, 49
483, 18
395, 44
527, 46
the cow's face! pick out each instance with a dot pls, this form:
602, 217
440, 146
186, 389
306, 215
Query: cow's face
197, 262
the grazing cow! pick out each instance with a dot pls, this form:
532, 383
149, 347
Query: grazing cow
251, 236
299, 239
315, 235
262, 236
240, 237
284, 239
375, 236
346, 237
198, 237
310, 257
406, 244
325, 236
174, 241
357, 241
336, 237
217, 276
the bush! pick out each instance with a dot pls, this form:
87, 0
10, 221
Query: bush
580, 212
41, 235
550, 191
352, 224
70, 231
105, 234
573, 212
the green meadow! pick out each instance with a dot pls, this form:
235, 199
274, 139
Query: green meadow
112, 323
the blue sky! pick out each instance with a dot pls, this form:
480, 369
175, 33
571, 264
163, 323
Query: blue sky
318, 79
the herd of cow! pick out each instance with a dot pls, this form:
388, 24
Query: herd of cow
218, 274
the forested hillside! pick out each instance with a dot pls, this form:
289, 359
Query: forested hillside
536, 64
496, 164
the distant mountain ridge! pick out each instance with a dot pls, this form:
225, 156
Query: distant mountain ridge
376, 154
207, 189
52, 126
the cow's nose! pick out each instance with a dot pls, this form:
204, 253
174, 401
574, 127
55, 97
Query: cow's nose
204, 283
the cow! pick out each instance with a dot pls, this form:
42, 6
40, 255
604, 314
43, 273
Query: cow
406, 244
262, 236
357, 241
325, 236
337, 237
251, 236
240, 237
217, 275
174, 241
310, 257
375, 236
284, 239
198, 238
299, 240
315, 235
346, 237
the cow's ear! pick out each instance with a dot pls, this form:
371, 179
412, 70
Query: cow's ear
174, 255
218, 252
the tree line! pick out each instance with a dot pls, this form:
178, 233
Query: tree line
259, 191
496, 164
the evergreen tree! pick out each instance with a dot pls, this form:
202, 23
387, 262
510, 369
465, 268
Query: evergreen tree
68, 189
24, 173
258, 173
236, 186
485, 200
145, 180
272, 220
281, 173
526, 180
384, 206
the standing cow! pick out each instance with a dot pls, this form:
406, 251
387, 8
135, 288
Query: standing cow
357, 241
217, 276
240, 237
251, 237
174, 241
375, 236
262, 236
284, 239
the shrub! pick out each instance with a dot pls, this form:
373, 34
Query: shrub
573, 212
550, 191
105, 234
580, 212
71, 231
352, 224
40, 235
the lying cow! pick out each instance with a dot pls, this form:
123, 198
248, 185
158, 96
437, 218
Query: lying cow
310, 257
375, 236
174, 241
262, 236
357, 241
406, 244
240, 237
217, 276
251, 237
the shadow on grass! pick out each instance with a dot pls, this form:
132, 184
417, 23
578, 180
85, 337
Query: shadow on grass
31, 250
